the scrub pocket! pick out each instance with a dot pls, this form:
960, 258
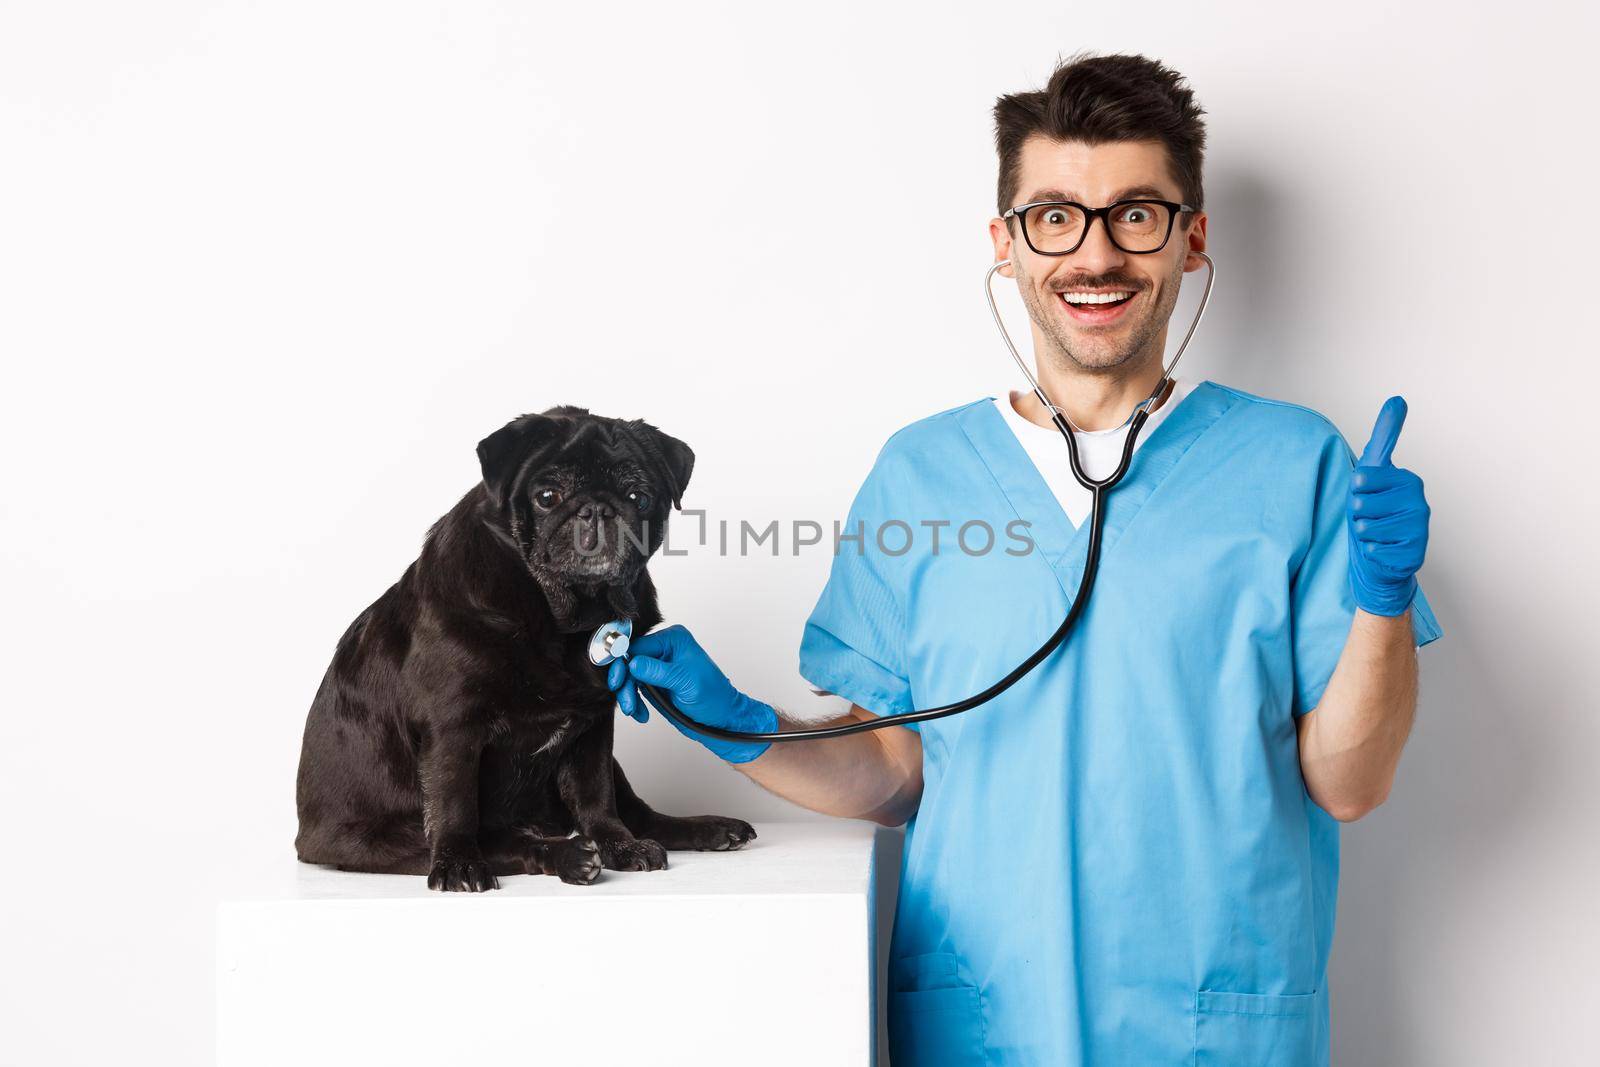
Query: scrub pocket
1253, 1030
935, 1017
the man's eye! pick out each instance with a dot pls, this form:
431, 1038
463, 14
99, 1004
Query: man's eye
547, 498
640, 500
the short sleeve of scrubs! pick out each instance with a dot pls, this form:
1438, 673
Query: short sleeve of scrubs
1323, 606
854, 640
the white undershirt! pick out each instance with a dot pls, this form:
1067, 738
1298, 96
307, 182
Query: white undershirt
1098, 450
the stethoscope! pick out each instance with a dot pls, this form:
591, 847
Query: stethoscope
610, 642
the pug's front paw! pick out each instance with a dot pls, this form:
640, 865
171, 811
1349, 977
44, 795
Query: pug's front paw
632, 854
575, 860
719, 833
455, 872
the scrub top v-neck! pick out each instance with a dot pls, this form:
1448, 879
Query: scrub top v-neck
1098, 450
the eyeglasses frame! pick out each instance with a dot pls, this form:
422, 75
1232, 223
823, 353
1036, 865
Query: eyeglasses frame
1104, 215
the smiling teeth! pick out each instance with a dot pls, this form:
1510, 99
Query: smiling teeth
1094, 298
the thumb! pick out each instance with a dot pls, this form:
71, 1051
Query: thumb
657, 672
1385, 432
665, 644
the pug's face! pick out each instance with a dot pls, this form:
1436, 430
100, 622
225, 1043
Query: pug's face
584, 497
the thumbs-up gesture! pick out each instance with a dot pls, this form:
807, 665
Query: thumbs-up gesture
1387, 521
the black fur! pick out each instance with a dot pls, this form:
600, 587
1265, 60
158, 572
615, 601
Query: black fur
460, 731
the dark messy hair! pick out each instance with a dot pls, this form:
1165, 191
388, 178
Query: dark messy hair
1096, 99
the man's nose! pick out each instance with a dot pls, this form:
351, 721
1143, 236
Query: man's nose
1097, 255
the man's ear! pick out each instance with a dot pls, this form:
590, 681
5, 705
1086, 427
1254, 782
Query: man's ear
502, 454
677, 460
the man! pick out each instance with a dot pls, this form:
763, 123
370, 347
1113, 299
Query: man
1130, 857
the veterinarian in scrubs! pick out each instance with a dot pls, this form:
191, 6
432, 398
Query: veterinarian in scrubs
1131, 856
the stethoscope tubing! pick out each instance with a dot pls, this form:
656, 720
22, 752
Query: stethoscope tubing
664, 704
1098, 489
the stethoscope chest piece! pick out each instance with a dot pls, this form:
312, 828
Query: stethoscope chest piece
610, 642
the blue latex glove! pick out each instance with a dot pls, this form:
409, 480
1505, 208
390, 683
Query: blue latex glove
1387, 521
673, 661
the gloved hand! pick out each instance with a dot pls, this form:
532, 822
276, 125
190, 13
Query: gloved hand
671, 660
1387, 521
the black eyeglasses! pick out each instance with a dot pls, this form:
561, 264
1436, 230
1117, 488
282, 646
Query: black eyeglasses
1058, 227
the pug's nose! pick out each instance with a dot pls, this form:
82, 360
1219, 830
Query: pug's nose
597, 512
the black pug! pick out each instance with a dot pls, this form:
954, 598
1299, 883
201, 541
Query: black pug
461, 731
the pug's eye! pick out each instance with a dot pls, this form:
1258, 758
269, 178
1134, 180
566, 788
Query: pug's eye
640, 500
547, 498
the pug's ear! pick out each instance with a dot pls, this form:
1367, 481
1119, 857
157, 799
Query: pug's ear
677, 459
502, 454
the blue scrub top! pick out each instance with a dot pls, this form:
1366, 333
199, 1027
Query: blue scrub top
1116, 861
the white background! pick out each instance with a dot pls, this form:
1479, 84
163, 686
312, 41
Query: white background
269, 271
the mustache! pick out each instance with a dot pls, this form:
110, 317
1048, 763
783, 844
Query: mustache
1106, 281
